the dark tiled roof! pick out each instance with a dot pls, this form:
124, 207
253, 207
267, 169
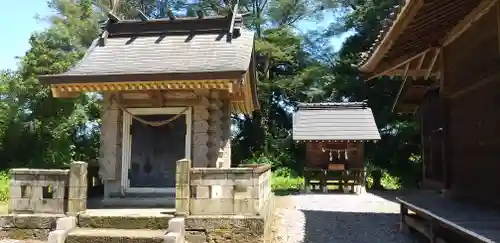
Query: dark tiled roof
165, 47
334, 121
385, 27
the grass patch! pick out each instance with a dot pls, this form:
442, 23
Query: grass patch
284, 185
4, 191
4, 186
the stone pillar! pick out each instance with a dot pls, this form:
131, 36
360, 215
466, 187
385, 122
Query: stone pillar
77, 198
110, 139
182, 187
200, 132
225, 147
215, 131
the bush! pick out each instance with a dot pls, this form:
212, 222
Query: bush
286, 183
387, 181
4, 186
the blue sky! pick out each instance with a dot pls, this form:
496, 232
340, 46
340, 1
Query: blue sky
21, 17
18, 22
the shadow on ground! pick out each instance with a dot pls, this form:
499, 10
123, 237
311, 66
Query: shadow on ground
391, 195
353, 227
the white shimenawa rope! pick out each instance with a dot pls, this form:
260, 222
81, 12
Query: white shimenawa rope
150, 123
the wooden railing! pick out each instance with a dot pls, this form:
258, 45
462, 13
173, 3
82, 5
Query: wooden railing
347, 180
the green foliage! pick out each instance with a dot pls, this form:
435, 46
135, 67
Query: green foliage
39, 131
4, 186
282, 185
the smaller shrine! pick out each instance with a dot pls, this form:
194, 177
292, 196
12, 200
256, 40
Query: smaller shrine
334, 134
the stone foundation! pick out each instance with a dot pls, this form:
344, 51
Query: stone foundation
225, 229
28, 226
39, 197
225, 205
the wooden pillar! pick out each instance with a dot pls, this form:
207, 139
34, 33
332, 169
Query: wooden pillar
307, 185
422, 140
403, 213
447, 162
323, 182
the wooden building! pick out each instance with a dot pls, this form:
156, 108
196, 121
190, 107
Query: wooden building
447, 54
334, 134
169, 87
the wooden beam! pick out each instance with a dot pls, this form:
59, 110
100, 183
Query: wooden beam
408, 12
498, 26
399, 62
136, 86
412, 72
402, 86
482, 8
56, 93
422, 58
142, 16
433, 62
419, 225
170, 14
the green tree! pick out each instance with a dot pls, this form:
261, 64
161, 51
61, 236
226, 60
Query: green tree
37, 129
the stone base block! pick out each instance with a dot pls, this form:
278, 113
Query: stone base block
24, 234
225, 229
28, 226
30, 221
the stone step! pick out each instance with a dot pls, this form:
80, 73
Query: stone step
134, 202
90, 235
126, 218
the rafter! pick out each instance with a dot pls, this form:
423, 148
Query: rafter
481, 9
408, 12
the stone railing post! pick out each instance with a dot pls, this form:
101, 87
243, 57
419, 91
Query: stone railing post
182, 186
77, 198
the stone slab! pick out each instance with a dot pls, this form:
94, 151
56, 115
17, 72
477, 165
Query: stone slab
217, 228
24, 234
86, 235
30, 221
126, 218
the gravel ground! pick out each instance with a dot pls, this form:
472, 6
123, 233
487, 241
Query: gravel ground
325, 218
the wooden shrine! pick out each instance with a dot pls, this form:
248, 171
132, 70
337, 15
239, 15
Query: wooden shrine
169, 87
334, 134
446, 55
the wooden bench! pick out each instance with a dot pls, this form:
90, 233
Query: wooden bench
320, 179
447, 221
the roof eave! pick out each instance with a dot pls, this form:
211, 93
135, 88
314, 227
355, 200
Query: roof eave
66, 78
405, 16
335, 139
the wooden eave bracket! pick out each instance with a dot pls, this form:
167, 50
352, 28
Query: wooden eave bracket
406, 15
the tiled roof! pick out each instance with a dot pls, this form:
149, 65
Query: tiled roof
135, 47
385, 27
334, 121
